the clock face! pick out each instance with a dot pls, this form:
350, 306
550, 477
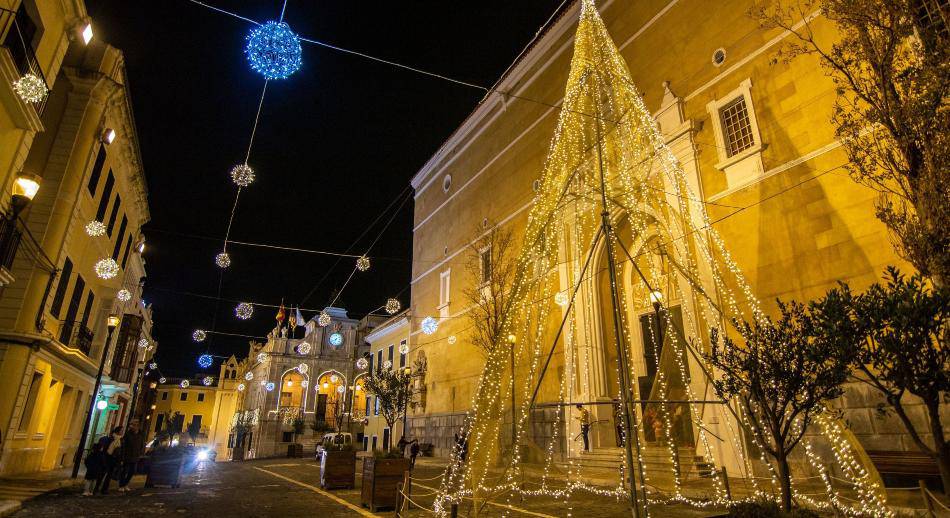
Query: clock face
336, 339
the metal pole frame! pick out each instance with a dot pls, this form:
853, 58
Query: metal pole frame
77, 458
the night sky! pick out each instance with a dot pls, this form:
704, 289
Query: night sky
337, 143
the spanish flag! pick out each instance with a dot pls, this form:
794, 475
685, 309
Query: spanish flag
281, 314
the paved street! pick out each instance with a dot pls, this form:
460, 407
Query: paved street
285, 488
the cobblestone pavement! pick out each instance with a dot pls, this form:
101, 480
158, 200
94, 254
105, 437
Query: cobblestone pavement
290, 487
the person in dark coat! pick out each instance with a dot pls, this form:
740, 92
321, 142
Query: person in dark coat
413, 453
95, 463
109, 444
132, 447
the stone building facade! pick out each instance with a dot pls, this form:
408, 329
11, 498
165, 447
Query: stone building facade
80, 144
777, 192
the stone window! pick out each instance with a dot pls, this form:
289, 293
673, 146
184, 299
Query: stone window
738, 143
736, 127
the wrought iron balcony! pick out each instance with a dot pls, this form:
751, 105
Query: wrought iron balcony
9, 241
77, 336
16, 32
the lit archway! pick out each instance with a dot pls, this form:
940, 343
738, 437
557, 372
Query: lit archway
331, 397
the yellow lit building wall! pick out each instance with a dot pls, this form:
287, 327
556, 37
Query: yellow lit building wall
385, 342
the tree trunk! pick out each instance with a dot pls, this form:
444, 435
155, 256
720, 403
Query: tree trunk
785, 481
941, 446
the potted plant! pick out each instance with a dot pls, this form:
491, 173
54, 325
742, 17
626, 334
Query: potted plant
338, 467
382, 474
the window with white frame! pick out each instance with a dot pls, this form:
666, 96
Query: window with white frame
444, 286
484, 265
738, 142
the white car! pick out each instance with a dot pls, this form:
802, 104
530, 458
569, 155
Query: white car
334, 440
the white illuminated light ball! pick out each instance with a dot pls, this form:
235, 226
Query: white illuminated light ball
223, 260
392, 306
242, 174
199, 335
261, 357
244, 311
362, 264
124, 295
560, 298
334, 378
303, 348
302, 368
208, 380
240, 387
341, 389
249, 376
403, 348
95, 228
30, 88
362, 363
269, 387
153, 366
143, 343
452, 339
107, 268
162, 379
387, 364
429, 325
185, 383
323, 319
304, 383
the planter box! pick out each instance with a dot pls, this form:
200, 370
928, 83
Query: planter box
338, 469
165, 470
294, 450
381, 478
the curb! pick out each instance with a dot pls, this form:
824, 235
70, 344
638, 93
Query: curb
8, 507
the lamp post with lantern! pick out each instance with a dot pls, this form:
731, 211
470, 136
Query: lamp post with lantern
112, 322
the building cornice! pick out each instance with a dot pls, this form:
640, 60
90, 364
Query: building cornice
390, 326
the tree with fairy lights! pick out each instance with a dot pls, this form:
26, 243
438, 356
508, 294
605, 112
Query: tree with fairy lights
393, 391
898, 337
781, 374
891, 68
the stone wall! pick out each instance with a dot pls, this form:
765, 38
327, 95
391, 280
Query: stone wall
438, 430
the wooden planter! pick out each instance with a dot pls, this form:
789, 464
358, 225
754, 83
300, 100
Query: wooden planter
381, 478
338, 469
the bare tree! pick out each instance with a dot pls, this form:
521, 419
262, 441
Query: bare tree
891, 69
393, 390
491, 266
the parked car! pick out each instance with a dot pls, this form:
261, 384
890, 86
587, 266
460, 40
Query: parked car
334, 440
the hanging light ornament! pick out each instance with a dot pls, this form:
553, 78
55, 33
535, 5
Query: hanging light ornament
387, 364
261, 357
31, 88
303, 348
341, 389
361, 364
207, 381
323, 319
205, 361
223, 260
334, 378
95, 228
153, 366
184, 384
452, 339
302, 368
249, 376
304, 383
560, 298
269, 386
362, 264
240, 387
242, 174
392, 306
107, 268
404, 348
244, 310
143, 343
273, 50
199, 335
162, 379
124, 295
263, 383
429, 325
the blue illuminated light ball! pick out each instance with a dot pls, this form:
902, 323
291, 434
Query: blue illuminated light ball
205, 361
273, 50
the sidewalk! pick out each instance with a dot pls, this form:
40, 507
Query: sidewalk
14, 489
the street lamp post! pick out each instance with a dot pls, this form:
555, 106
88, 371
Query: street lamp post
24, 189
113, 322
405, 409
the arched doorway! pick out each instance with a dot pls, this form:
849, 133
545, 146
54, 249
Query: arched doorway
331, 398
292, 390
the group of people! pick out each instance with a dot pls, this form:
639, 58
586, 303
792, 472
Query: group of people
114, 456
413, 446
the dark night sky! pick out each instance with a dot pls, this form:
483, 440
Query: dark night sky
337, 142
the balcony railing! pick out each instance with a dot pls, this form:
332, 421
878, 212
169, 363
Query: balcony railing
9, 241
17, 31
77, 336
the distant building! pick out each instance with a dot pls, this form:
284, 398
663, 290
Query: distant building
80, 144
305, 376
385, 343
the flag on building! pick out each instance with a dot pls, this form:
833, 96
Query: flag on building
281, 314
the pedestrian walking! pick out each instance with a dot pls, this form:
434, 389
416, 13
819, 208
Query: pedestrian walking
413, 453
584, 418
133, 444
109, 444
95, 463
